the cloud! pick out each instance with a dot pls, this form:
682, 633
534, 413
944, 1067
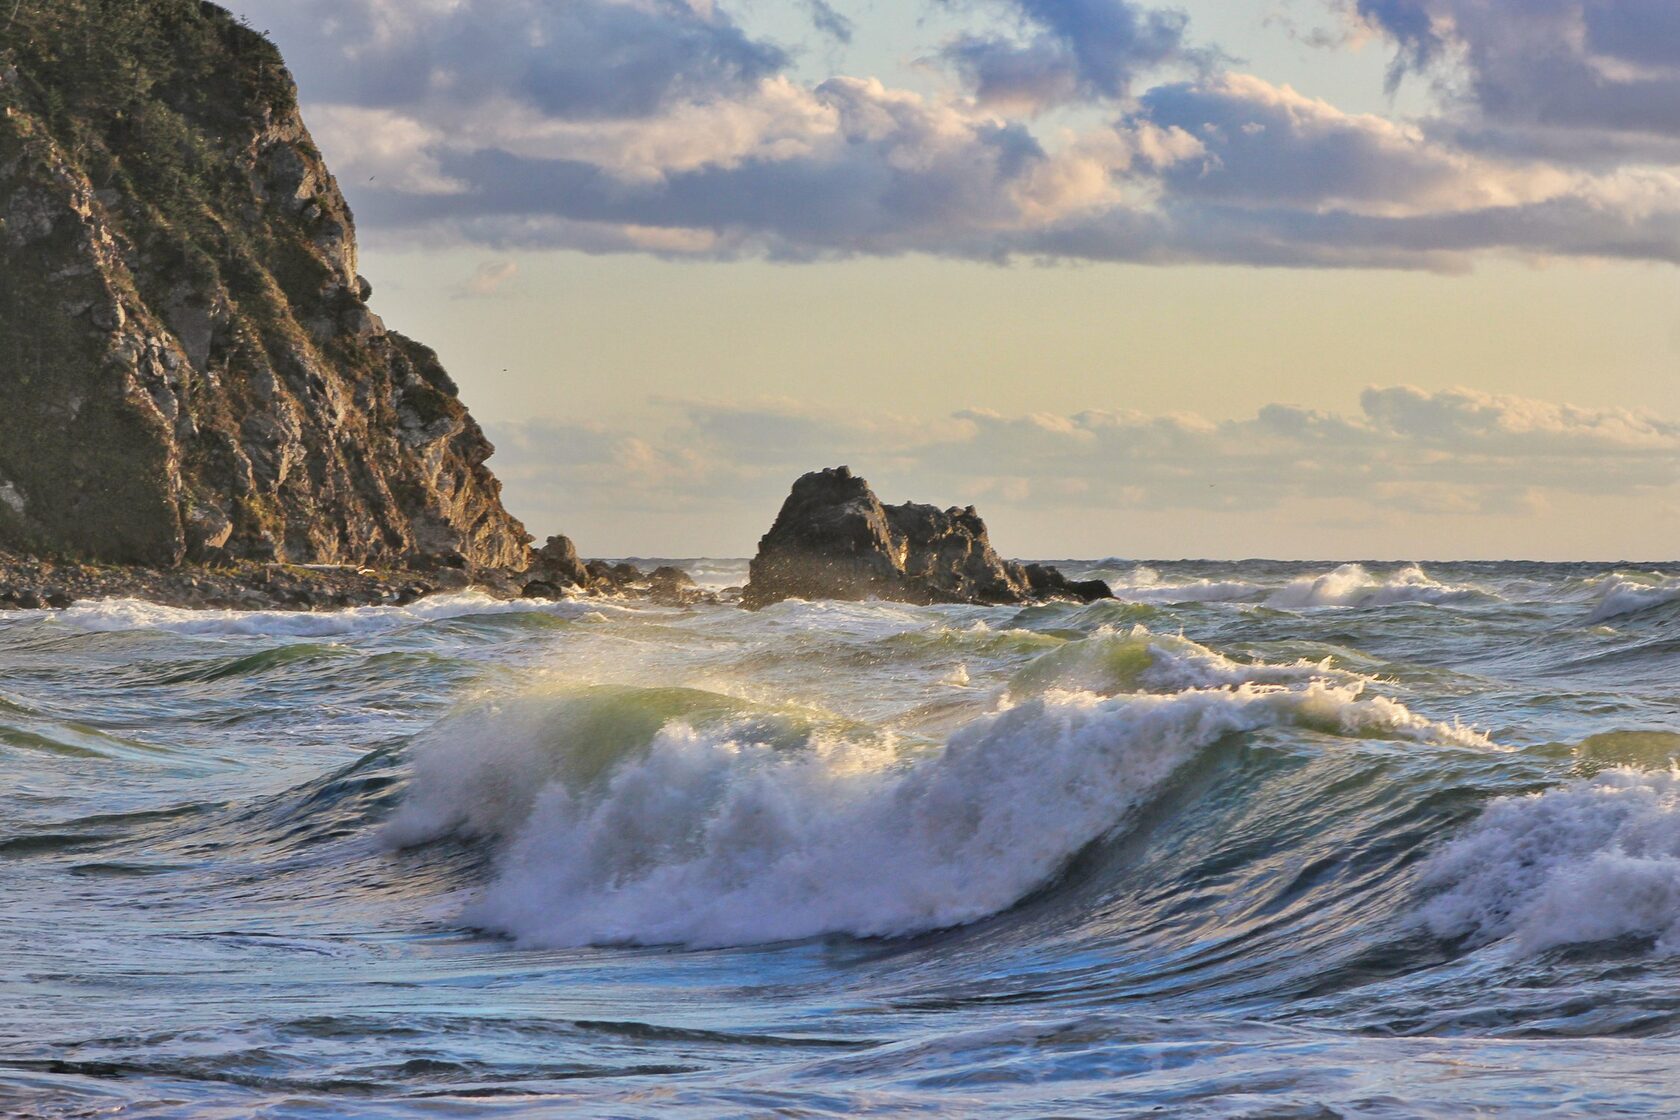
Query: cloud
664, 127
1582, 68
830, 21
1069, 50
1266, 145
850, 167
1456, 453
488, 279
581, 59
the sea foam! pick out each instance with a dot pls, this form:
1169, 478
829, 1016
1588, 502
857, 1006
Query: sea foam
1620, 595
1351, 585
730, 828
1593, 860
119, 615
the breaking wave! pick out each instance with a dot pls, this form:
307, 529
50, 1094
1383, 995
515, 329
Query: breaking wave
1591, 861
1621, 594
122, 615
1352, 586
674, 816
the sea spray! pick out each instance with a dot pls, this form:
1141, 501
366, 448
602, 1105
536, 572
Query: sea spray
1592, 860
1112, 661
126, 615
1352, 586
1621, 594
712, 832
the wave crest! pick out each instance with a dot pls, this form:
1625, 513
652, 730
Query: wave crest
729, 827
1351, 585
1620, 595
1113, 661
1591, 861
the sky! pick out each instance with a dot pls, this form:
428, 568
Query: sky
1334, 279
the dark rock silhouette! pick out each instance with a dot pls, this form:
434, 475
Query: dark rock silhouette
835, 540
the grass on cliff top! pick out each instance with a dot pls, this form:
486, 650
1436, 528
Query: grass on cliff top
151, 99
158, 104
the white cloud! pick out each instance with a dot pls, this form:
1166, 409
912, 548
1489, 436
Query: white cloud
1458, 455
489, 279
660, 126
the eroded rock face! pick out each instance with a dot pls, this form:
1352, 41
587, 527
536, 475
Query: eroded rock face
835, 540
188, 366
557, 563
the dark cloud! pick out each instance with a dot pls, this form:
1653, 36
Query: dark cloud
1070, 50
1268, 146
830, 21
574, 59
1591, 66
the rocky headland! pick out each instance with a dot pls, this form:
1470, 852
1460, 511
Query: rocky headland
835, 540
198, 406
190, 372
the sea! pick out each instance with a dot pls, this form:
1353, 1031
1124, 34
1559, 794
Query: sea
1260, 840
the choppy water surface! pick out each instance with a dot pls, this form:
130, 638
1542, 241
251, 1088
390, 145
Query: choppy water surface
1261, 840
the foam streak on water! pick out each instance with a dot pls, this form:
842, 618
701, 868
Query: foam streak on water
1254, 840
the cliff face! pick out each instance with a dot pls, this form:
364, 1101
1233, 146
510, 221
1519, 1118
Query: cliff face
833, 539
188, 365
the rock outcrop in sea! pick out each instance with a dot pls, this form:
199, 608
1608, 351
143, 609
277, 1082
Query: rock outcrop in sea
189, 368
835, 540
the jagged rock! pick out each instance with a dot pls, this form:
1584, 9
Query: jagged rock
1049, 583
188, 366
835, 540
673, 587
605, 576
557, 562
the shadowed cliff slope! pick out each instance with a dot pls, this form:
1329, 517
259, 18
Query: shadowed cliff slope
188, 366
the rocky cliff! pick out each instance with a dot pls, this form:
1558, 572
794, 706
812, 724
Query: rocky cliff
835, 540
189, 369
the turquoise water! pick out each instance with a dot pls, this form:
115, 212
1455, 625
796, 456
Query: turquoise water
1260, 840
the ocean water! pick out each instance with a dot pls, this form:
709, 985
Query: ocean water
1259, 840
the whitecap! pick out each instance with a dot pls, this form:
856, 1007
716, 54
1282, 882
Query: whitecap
1594, 860
112, 615
715, 833
1620, 595
1351, 585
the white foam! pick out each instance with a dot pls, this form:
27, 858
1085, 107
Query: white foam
717, 835
1352, 586
132, 614
1590, 861
1620, 594
1198, 591
1112, 661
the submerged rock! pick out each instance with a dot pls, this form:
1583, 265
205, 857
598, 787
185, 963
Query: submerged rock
835, 540
188, 366
671, 586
